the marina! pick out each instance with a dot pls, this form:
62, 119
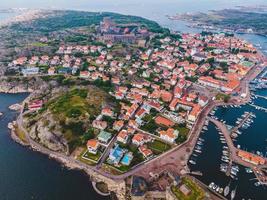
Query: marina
244, 124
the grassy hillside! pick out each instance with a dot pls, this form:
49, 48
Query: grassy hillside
74, 112
61, 20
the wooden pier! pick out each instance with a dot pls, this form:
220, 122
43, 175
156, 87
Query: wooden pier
234, 129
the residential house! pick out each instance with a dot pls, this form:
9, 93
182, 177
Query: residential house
99, 124
140, 139
92, 146
123, 136
104, 136
145, 151
169, 135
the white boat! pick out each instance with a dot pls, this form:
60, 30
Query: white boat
226, 190
211, 185
248, 170
192, 162
233, 194
197, 150
257, 184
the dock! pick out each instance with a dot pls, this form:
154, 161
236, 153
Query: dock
234, 129
233, 155
198, 173
260, 96
258, 107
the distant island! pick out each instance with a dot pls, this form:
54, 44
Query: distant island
239, 20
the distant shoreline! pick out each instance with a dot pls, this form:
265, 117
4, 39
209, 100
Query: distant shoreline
22, 15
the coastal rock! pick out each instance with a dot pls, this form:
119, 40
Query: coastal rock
47, 133
15, 107
20, 85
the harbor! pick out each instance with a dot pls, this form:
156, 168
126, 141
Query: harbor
231, 129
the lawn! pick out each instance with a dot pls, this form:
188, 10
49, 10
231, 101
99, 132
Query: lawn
94, 157
197, 192
74, 110
39, 44
86, 159
183, 134
158, 147
222, 96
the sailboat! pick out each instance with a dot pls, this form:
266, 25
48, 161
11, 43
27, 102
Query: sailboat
233, 194
226, 190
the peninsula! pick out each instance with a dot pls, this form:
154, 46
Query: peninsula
122, 98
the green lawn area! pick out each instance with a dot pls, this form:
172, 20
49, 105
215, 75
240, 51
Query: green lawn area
223, 97
150, 126
39, 44
197, 192
91, 156
158, 147
74, 110
183, 134
86, 161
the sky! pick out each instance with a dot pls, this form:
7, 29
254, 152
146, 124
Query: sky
146, 8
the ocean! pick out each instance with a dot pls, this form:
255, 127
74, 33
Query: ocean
26, 174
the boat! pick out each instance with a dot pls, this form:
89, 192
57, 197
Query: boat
224, 160
211, 185
248, 170
226, 190
214, 187
197, 150
233, 177
192, 162
223, 170
233, 194
233, 172
257, 184
199, 143
221, 190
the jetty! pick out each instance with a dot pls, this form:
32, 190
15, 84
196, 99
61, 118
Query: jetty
260, 96
258, 107
234, 129
256, 163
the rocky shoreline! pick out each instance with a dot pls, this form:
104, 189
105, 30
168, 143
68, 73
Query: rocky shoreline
113, 186
94, 177
118, 188
13, 134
